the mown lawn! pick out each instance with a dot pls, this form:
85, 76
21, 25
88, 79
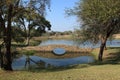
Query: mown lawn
95, 71
86, 72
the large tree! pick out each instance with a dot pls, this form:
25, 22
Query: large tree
99, 20
8, 10
33, 21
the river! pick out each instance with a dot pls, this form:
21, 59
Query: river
20, 62
113, 43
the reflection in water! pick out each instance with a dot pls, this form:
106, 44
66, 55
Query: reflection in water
59, 51
20, 62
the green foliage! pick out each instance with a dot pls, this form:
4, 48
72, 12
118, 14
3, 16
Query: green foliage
98, 18
35, 43
18, 34
29, 52
32, 25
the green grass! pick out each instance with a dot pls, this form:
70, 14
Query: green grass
81, 72
106, 53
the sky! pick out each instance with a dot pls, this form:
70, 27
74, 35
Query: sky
57, 17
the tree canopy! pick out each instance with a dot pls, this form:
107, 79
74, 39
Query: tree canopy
99, 20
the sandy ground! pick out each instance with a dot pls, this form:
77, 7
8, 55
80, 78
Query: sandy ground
116, 36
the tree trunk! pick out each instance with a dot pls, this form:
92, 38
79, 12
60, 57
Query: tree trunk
27, 41
28, 36
7, 62
102, 46
2, 25
105, 47
1, 57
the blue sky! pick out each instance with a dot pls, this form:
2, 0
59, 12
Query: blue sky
57, 16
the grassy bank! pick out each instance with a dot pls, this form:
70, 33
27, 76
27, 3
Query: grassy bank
57, 37
47, 51
81, 72
110, 54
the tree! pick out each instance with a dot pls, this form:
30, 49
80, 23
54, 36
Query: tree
99, 19
33, 21
8, 10
6, 13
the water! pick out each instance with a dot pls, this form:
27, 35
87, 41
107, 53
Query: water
113, 43
58, 42
20, 62
59, 51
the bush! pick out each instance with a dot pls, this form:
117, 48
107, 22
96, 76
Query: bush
29, 52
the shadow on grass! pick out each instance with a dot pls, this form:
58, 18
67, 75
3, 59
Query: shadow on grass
112, 58
45, 70
19, 45
33, 43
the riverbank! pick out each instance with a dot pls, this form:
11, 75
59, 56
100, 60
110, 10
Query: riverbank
67, 37
47, 51
110, 55
116, 36
58, 37
93, 71
107, 70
